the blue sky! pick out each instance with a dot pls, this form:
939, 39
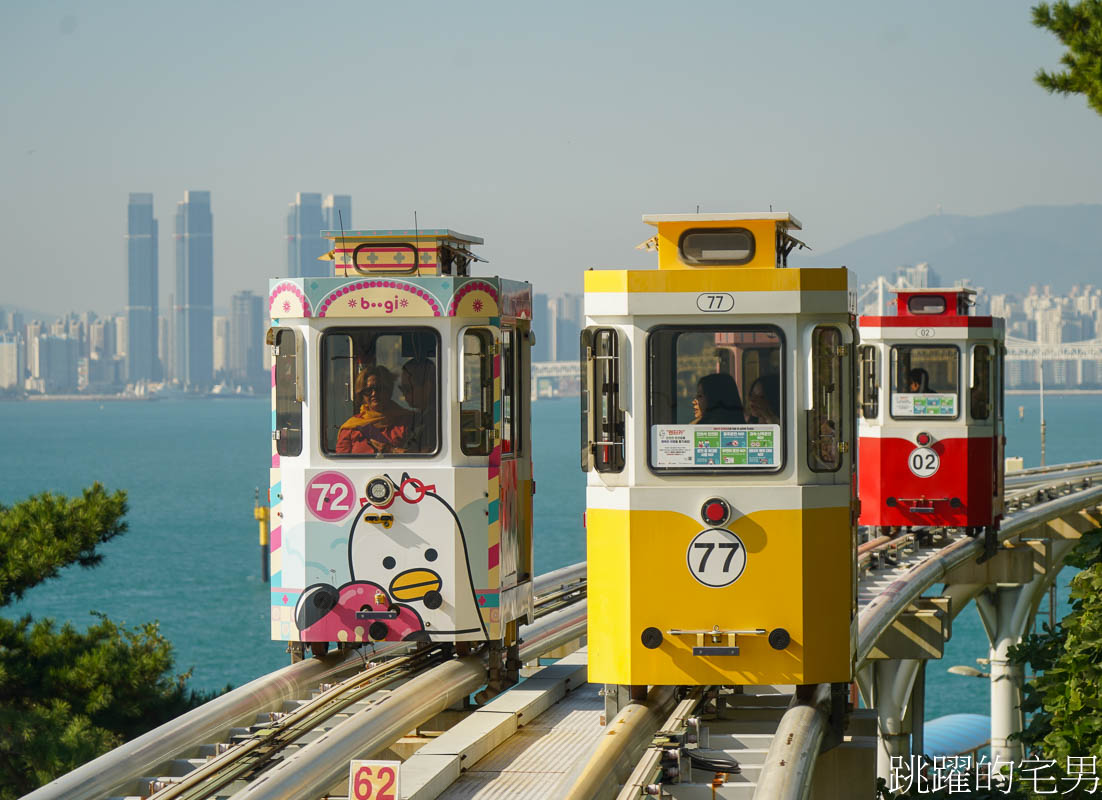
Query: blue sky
548, 129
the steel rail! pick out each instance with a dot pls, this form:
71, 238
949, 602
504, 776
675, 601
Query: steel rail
559, 578
622, 745
790, 760
112, 771
321, 764
642, 779
251, 754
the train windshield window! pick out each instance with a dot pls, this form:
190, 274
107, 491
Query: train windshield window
870, 381
925, 382
716, 400
979, 399
290, 386
603, 445
824, 421
380, 391
717, 246
476, 404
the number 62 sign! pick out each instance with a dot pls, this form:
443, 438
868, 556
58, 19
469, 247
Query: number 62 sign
373, 780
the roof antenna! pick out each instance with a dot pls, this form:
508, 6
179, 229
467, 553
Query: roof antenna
770, 208
416, 249
340, 219
698, 208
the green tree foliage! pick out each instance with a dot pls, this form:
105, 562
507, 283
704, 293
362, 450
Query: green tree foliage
1079, 28
1066, 696
67, 696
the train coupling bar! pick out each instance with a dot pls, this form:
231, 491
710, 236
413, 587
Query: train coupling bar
924, 505
716, 642
390, 614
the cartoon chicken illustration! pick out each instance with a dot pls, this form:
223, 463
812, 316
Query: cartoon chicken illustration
410, 574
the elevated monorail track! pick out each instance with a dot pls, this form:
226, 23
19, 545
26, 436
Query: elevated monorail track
538, 739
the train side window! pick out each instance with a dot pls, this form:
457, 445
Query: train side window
715, 399
1000, 382
602, 415
476, 401
825, 432
380, 391
870, 381
290, 388
979, 398
509, 395
925, 382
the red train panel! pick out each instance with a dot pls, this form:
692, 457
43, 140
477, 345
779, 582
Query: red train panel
958, 494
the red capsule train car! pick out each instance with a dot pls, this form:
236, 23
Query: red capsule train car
931, 414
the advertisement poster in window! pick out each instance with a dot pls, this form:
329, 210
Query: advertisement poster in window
691, 446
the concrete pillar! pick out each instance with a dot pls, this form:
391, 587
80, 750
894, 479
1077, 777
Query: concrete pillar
887, 686
1006, 612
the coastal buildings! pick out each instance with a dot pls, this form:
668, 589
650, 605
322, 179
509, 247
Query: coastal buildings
193, 364
142, 317
247, 324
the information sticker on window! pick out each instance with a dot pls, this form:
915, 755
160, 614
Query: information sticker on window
716, 446
924, 405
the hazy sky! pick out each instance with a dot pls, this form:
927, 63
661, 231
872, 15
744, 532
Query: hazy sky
547, 129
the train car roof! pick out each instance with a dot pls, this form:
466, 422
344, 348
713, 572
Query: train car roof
430, 233
776, 216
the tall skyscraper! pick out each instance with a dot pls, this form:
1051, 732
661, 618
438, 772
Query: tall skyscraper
246, 337
221, 347
142, 363
194, 310
305, 222
336, 211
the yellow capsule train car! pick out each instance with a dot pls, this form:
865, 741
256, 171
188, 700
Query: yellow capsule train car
718, 437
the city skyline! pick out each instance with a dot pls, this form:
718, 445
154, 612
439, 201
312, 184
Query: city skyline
856, 119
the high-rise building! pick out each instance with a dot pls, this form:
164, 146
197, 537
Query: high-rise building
194, 309
246, 337
221, 346
336, 212
12, 361
542, 327
142, 283
305, 222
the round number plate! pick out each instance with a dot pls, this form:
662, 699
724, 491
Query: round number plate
716, 557
923, 462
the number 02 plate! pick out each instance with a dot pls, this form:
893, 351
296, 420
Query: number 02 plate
923, 462
373, 780
716, 557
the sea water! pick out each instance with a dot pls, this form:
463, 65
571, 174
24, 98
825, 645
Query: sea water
191, 557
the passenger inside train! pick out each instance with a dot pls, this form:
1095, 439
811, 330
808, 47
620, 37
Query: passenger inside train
390, 406
764, 401
717, 401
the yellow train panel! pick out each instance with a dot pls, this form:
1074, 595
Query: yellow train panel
716, 280
797, 576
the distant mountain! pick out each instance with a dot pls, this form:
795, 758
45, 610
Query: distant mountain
1008, 252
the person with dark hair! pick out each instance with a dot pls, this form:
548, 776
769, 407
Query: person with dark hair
918, 381
717, 401
763, 404
418, 386
380, 425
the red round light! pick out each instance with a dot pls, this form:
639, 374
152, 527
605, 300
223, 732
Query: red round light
923, 438
715, 512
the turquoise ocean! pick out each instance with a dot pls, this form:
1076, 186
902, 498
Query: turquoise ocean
191, 558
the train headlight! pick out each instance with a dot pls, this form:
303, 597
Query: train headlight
924, 438
380, 492
715, 511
